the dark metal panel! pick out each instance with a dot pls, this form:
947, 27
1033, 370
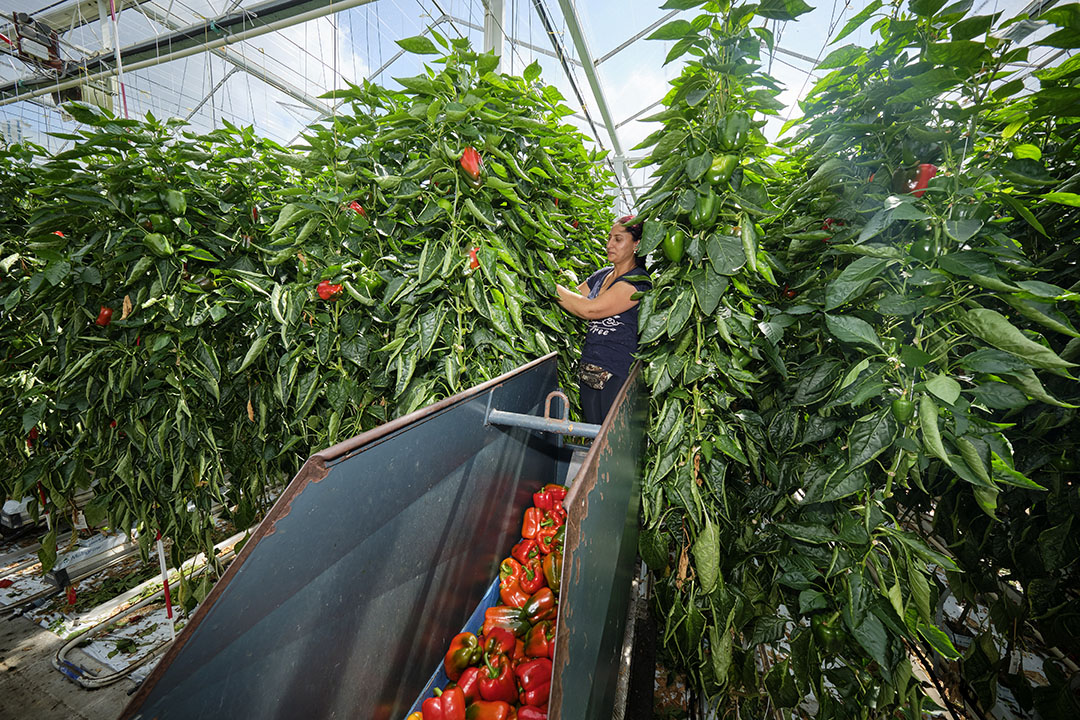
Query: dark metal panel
600, 547
350, 591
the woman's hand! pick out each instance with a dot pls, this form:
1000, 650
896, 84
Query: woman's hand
614, 300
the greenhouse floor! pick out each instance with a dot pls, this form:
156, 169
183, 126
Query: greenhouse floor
33, 690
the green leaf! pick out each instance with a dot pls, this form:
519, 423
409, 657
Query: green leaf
962, 230
928, 422
532, 72
418, 44
1024, 213
782, 9
697, 165
680, 312
47, 552
842, 57
1043, 313
877, 222
853, 330
856, 22
852, 281
870, 633
720, 641
944, 387
57, 271
254, 352
913, 357
651, 237
672, 31
992, 361
706, 552
1028, 382
725, 253
839, 485
1063, 198
709, 287
814, 534
939, 641
870, 436
920, 592
925, 8
1031, 152
854, 372
992, 327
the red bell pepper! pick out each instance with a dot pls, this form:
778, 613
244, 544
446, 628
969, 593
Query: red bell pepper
328, 290
510, 591
532, 576
549, 539
541, 606
483, 710
922, 178
518, 655
470, 684
531, 524
499, 639
534, 677
355, 207
474, 262
557, 515
552, 565
464, 651
524, 551
531, 712
497, 681
470, 162
511, 618
446, 705
540, 640
104, 316
543, 500
556, 490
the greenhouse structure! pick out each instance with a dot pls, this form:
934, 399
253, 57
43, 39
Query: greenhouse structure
516, 359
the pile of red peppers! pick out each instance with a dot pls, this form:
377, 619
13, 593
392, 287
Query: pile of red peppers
504, 673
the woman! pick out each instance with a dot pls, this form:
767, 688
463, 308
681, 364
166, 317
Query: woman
612, 336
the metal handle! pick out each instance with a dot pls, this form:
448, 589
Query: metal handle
565, 403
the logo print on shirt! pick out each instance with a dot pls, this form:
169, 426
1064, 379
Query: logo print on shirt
606, 326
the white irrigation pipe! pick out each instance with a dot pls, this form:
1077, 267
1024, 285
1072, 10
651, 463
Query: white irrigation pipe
194, 50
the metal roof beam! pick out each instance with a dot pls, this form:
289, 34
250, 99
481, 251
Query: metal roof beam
587, 64
219, 32
513, 41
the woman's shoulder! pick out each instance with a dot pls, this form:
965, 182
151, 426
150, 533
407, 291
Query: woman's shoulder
599, 275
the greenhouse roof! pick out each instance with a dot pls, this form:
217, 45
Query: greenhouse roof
267, 63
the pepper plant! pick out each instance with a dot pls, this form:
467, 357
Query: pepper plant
268, 301
875, 322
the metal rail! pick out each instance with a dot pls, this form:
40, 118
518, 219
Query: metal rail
561, 426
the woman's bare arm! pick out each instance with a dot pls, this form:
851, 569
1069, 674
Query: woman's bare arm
614, 300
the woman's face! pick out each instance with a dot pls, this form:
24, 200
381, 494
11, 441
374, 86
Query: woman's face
621, 245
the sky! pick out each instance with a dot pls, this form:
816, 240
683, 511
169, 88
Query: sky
319, 55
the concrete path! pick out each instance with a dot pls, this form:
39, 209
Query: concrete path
31, 689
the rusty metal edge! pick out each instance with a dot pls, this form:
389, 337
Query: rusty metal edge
313, 470
586, 477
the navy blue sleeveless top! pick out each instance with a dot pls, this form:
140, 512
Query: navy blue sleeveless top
610, 341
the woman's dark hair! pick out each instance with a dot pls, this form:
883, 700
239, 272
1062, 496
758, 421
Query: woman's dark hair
627, 221
635, 230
